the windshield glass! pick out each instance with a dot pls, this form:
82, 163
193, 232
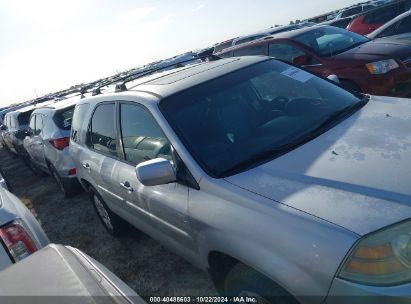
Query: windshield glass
235, 120
329, 41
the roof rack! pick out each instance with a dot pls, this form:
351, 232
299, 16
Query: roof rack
121, 82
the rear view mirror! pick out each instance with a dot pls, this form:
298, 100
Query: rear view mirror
334, 78
154, 172
301, 60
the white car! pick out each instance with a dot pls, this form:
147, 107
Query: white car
63, 274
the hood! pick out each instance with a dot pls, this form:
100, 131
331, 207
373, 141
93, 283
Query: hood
378, 49
356, 175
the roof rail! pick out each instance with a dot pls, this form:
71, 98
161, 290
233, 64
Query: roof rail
121, 82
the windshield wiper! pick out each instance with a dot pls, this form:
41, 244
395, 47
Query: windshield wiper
339, 115
258, 158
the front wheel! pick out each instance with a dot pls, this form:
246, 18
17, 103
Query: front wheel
244, 281
114, 225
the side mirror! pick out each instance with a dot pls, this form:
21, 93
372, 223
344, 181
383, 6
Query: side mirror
3, 128
334, 78
301, 60
155, 172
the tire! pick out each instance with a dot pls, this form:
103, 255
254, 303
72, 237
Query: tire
244, 281
34, 168
114, 224
350, 85
68, 189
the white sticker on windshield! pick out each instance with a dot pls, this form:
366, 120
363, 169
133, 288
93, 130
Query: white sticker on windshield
297, 74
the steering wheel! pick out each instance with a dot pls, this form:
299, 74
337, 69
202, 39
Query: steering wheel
279, 102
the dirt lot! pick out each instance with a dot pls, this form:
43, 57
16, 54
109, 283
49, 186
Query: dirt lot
144, 264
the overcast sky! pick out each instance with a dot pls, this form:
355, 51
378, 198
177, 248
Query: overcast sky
50, 45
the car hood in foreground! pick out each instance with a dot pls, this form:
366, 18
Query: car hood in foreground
377, 49
356, 175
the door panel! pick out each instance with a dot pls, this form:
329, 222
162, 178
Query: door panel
166, 206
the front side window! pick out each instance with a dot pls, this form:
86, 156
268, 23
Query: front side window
254, 115
102, 132
329, 41
141, 136
284, 51
259, 49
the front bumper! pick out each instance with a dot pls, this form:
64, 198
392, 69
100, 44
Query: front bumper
343, 291
396, 83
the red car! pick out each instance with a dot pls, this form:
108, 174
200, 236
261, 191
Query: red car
377, 67
371, 20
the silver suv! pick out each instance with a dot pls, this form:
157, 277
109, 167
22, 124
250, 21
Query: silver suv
47, 143
14, 129
279, 183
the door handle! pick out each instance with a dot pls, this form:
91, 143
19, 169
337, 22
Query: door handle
126, 186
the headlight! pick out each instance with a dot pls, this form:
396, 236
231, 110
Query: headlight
382, 258
382, 67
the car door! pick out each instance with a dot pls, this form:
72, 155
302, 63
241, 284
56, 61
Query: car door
100, 161
165, 206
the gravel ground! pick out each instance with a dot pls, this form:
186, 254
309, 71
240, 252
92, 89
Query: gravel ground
144, 264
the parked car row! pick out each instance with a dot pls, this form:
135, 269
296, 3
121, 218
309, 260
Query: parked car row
377, 67
214, 158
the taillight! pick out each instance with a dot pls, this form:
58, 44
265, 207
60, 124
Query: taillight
72, 171
60, 143
17, 241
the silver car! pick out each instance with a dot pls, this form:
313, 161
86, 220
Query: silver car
47, 143
20, 232
14, 129
279, 183
63, 274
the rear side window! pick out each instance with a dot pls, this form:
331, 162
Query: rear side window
102, 131
79, 115
64, 118
24, 118
284, 51
141, 136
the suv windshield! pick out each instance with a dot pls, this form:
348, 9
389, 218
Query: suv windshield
255, 114
329, 41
